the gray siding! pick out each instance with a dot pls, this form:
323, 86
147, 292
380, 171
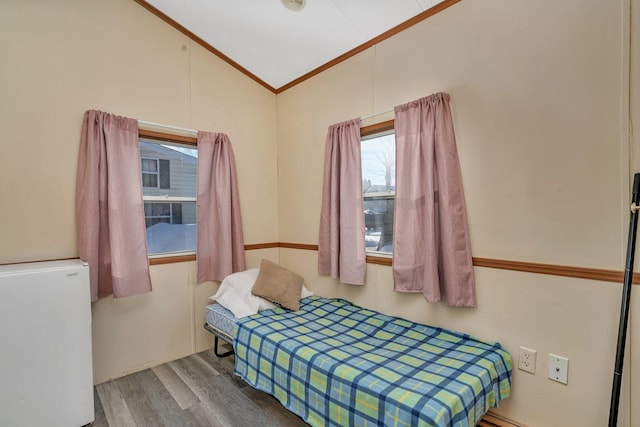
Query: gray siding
182, 171
189, 213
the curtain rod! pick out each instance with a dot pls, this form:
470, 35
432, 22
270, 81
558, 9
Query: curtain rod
160, 125
368, 116
146, 123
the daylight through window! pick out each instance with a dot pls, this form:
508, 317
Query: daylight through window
378, 153
169, 194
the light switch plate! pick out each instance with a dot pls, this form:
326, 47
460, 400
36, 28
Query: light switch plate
558, 368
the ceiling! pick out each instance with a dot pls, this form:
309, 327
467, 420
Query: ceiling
278, 46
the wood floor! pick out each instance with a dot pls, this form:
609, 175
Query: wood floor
199, 390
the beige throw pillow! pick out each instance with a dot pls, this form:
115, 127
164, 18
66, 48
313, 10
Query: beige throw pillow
279, 285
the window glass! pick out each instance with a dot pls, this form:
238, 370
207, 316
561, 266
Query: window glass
378, 153
149, 172
169, 194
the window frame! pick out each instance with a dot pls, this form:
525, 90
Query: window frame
373, 257
172, 257
156, 173
170, 216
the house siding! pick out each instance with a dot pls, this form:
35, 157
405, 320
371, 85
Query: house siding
182, 171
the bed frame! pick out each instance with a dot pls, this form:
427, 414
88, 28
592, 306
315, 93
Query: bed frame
218, 334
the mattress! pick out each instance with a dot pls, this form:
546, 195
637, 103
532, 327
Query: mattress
222, 319
334, 364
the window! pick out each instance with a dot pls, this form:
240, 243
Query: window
169, 194
149, 172
378, 153
156, 173
170, 213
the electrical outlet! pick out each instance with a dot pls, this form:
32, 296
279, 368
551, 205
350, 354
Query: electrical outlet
527, 360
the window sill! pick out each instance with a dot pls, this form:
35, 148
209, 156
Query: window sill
380, 259
171, 258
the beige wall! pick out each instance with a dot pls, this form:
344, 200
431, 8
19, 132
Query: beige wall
538, 92
58, 59
632, 361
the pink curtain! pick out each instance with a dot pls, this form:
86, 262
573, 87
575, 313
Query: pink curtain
109, 207
341, 250
431, 247
220, 246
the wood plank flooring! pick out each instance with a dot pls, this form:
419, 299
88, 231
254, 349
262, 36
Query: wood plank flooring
198, 390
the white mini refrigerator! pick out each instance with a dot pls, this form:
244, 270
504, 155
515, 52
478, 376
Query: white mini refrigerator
46, 376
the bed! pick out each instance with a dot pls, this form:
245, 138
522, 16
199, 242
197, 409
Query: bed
221, 322
334, 363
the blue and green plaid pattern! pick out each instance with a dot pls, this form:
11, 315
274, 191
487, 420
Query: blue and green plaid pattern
336, 364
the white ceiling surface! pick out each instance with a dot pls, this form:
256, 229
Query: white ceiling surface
278, 45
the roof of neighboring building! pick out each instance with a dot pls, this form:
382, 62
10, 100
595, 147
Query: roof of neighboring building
164, 237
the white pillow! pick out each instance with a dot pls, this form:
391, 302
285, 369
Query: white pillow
235, 294
305, 292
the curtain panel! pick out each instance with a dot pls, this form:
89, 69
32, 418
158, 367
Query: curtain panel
109, 208
431, 245
220, 244
341, 243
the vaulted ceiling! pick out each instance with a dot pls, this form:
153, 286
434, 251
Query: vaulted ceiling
279, 47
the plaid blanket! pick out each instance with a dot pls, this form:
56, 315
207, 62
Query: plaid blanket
336, 364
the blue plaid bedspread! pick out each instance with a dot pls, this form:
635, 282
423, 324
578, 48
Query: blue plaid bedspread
337, 364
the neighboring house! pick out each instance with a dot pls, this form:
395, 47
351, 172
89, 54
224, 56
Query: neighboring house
171, 174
